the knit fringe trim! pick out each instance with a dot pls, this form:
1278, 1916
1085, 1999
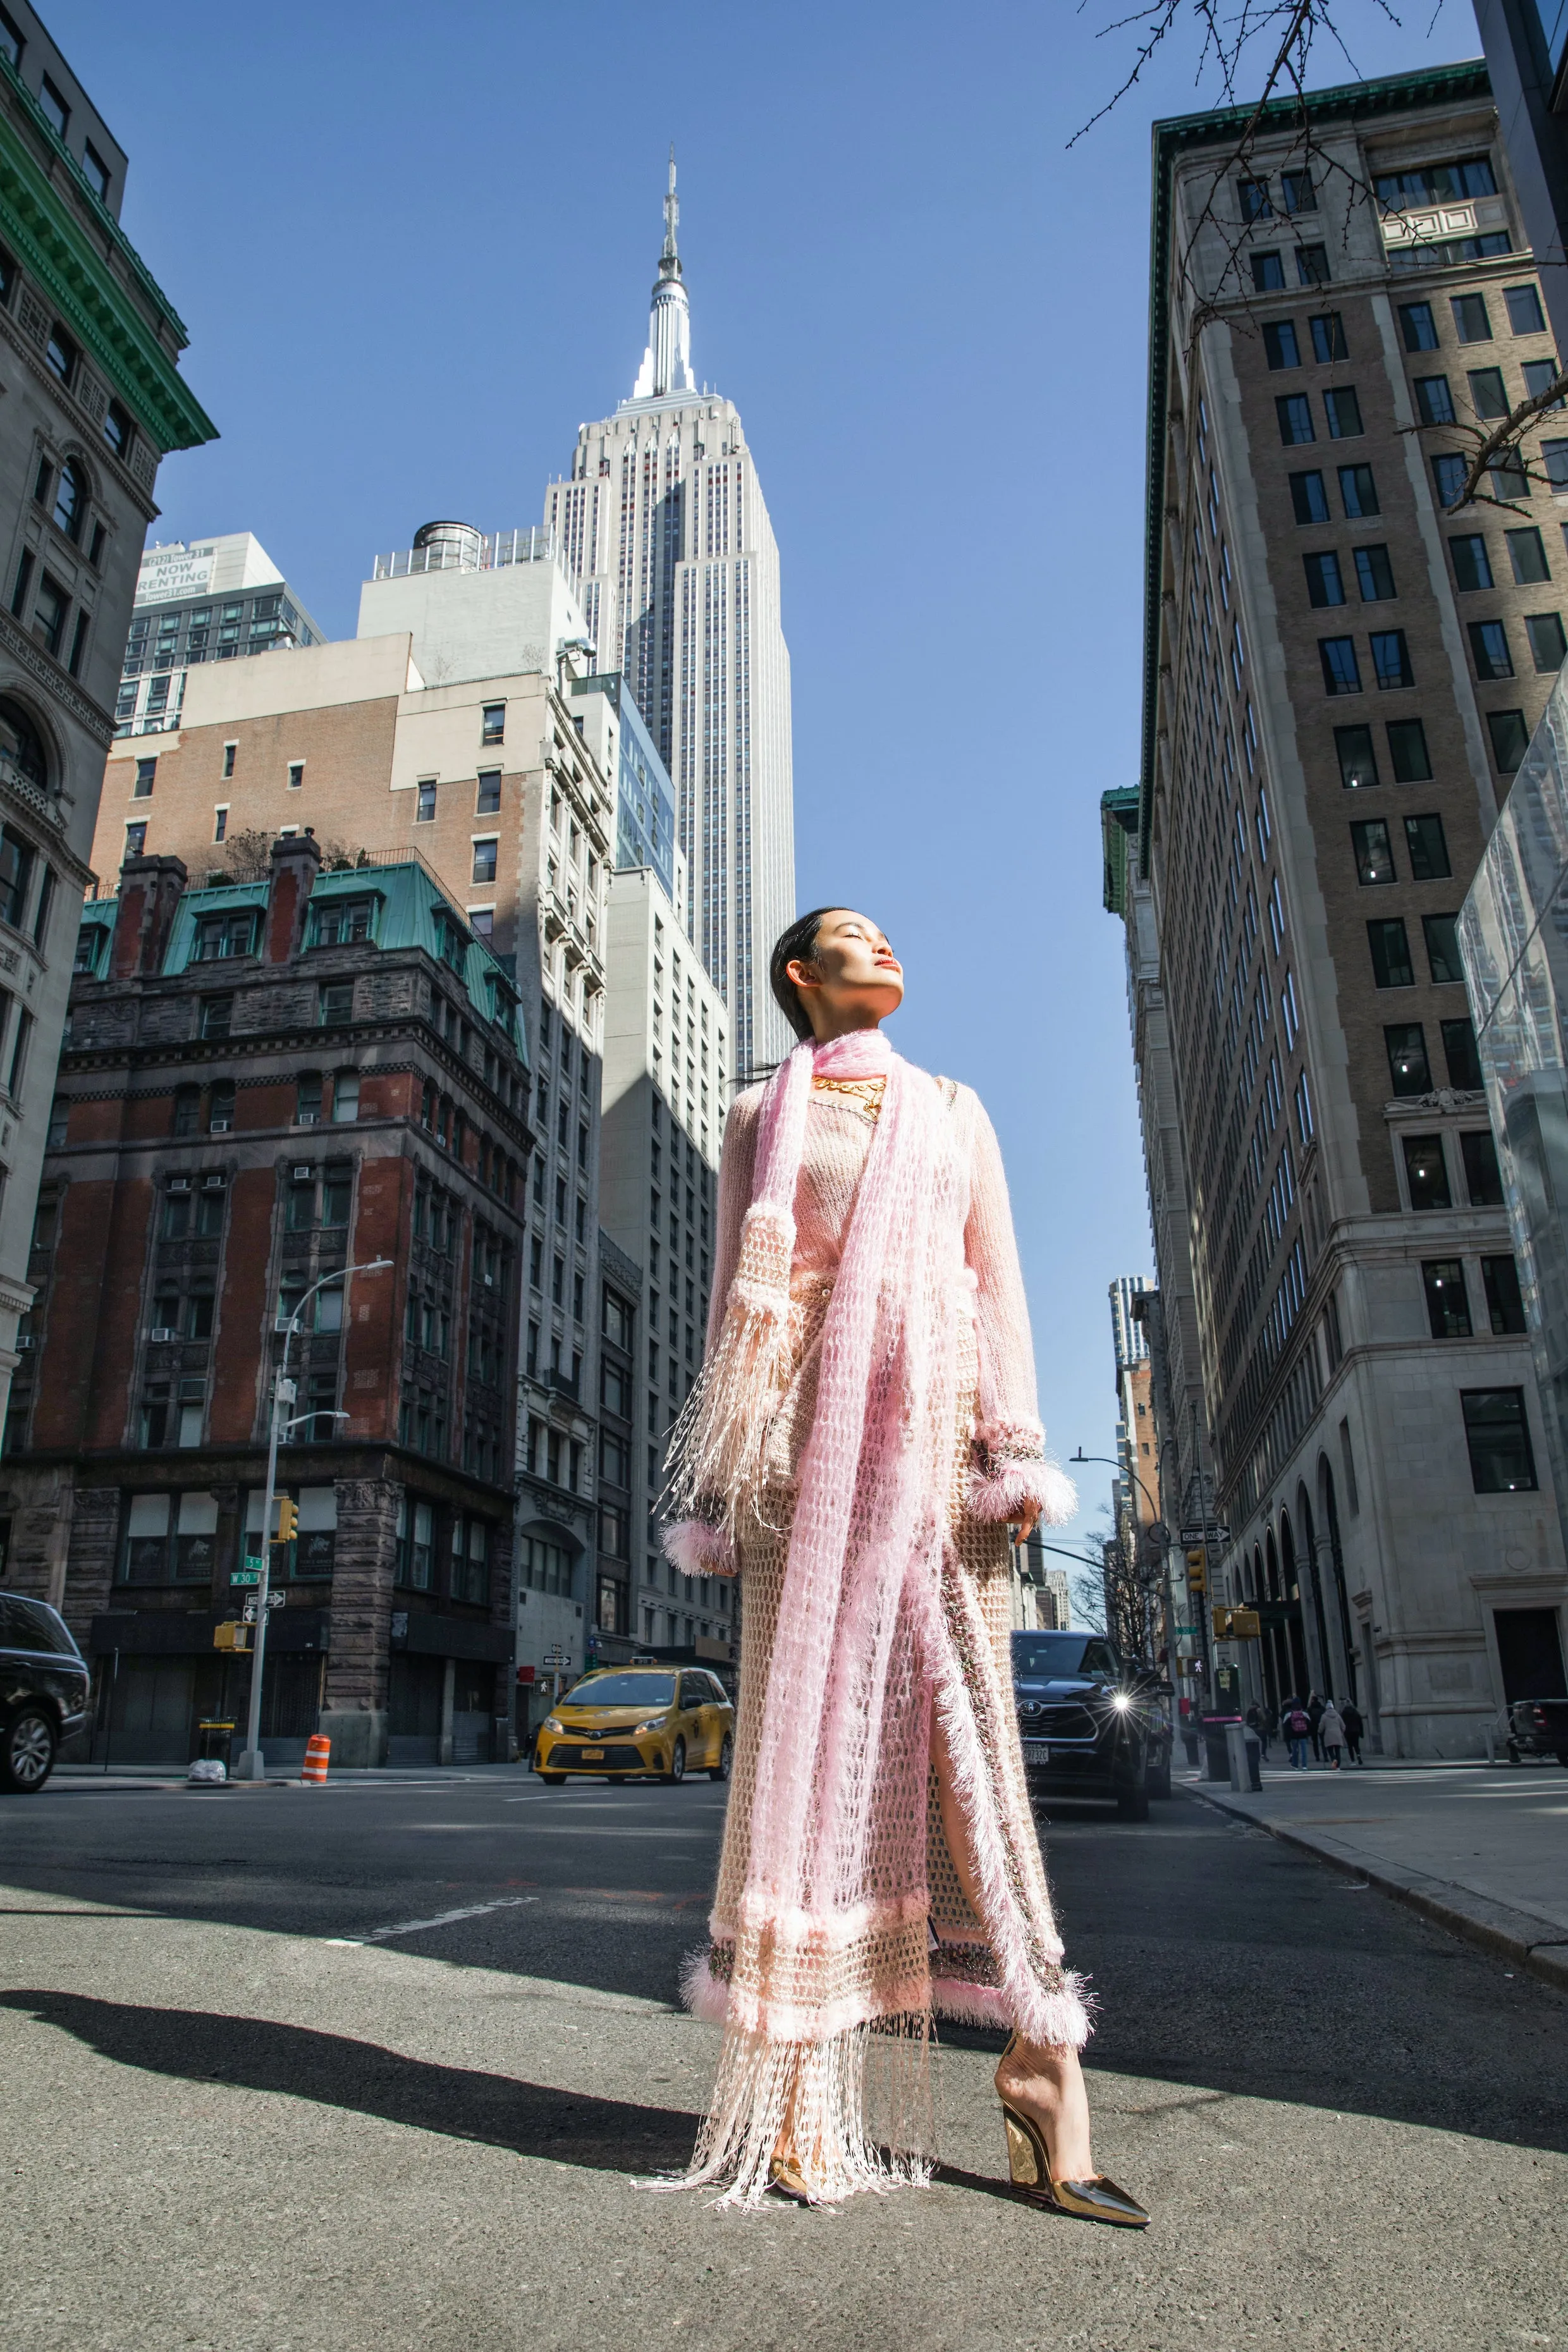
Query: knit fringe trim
857, 2110
1057, 2019
1010, 1488
716, 1448
697, 1548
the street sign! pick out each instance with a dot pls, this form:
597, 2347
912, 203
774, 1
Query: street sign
1215, 1533
1186, 1631
246, 1576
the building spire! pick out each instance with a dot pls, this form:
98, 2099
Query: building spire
667, 362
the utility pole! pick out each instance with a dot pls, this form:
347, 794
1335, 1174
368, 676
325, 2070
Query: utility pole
252, 1764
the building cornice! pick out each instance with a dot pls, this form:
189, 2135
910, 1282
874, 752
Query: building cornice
1172, 139
56, 248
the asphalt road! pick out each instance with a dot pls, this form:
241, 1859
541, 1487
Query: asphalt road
381, 2065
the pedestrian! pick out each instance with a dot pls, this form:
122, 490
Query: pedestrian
1314, 1711
1258, 1720
1349, 1714
1271, 1719
1332, 1733
1299, 1732
862, 1439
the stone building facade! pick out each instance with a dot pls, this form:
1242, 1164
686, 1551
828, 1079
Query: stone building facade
1342, 676
92, 399
265, 1084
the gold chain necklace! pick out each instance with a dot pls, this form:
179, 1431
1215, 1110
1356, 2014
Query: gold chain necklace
865, 1093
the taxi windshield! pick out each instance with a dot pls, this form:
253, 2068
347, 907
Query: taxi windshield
622, 1690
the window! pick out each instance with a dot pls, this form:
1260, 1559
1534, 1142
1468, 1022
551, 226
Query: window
117, 429
1471, 324
1539, 376
49, 614
1527, 555
220, 936
1505, 1307
1426, 1171
1433, 400
1254, 204
60, 354
1391, 964
1510, 740
482, 922
1374, 852
488, 801
1438, 183
220, 821
1489, 649
1407, 1064
425, 802
1525, 316
308, 1098
345, 1097
484, 854
337, 1002
1428, 850
337, 1194
342, 922
56, 110
88, 941
216, 1015
1324, 586
1312, 265
1329, 338
1297, 193
135, 839
1448, 477
1357, 763
95, 171
1341, 674
1358, 491
1343, 410
1294, 410
1268, 273
1391, 658
1483, 1177
228, 752
1498, 1436
296, 775
1310, 500
70, 502
1459, 1053
1489, 396
1418, 327
492, 723
1472, 567
15, 877
1448, 1303
1279, 344
1547, 646
1303, 1100
1289, 1015
1374, 575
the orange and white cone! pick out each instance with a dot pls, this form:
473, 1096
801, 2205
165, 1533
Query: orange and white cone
318, 1747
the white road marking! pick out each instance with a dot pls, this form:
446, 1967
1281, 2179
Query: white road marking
445, 1919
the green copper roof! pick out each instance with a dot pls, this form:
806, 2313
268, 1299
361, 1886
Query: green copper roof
54, 243
1118, 832
1349, 101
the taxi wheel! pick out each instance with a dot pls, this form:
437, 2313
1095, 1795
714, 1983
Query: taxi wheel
677, 1762
721, 1770
552, 1779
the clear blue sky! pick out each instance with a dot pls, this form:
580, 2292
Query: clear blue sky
414, 246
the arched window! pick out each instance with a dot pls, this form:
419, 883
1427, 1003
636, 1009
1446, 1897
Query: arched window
21, 742
1273, 1565
70, 500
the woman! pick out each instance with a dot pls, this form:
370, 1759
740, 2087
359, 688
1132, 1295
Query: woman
863, 1435
1332, 1733
1349, 1714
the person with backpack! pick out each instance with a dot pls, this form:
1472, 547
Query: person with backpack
1314, 1714
1299, 1732
1332, 1733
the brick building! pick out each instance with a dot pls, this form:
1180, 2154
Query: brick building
265, 1083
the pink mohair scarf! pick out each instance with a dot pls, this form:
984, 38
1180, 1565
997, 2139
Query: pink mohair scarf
836, 1851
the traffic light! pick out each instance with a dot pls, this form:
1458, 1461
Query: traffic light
1235, 1624
288, 1519
231, 1635
1197, 1570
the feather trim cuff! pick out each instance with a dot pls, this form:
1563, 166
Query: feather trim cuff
697, 1548
1011, 1475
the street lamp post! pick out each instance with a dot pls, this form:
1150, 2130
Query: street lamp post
252, 1764
1124, 1471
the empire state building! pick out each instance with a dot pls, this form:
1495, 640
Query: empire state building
662, 528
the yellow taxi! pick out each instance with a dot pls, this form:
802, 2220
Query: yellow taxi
655, 1722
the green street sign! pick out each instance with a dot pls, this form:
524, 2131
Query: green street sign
246, 1576
1187, 1630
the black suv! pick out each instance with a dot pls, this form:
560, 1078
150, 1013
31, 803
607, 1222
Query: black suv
1092, 1724
44, 1687
1538, 1726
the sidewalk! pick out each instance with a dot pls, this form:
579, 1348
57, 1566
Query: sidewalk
1480, 1849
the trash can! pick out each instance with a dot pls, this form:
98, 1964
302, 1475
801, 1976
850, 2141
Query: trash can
214, 1740
1216, 1747
1244, 1759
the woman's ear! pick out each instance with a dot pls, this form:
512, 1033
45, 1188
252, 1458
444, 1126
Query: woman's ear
803, 975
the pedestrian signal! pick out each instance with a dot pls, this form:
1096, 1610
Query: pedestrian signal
1197, 1570
231, 1635
288, 1520
1235, 1624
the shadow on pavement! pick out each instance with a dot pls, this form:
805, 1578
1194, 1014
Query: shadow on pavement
200, 2046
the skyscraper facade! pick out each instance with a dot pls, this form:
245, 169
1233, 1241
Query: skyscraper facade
1342, 671
662, 528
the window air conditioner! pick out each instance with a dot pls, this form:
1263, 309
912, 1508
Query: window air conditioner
219, 1125
161, 1331
308, 1118
23, 1340
214, 1184
303, 1175
179, 1184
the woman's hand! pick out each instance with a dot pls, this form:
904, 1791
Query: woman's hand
1026, 1526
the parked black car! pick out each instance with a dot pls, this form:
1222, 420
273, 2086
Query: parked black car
43, 1691
1538, 1726
1092, 1724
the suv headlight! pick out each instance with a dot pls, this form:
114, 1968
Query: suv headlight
653, 1723
553, 1723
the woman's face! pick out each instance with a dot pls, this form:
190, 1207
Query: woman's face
853, 978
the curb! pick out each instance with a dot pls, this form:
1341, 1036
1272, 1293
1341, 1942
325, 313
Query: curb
1538, 1945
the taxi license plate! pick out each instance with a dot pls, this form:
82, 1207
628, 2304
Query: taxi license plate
1036, 1751
593, 1755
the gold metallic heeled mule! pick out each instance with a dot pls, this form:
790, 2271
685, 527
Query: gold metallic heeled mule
1097, 2198
784, 2175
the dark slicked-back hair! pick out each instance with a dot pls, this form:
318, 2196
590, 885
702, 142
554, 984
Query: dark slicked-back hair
798, 944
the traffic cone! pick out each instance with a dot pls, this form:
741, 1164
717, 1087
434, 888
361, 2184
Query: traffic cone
318, 1747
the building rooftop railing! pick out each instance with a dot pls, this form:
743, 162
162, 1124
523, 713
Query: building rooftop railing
471, 553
